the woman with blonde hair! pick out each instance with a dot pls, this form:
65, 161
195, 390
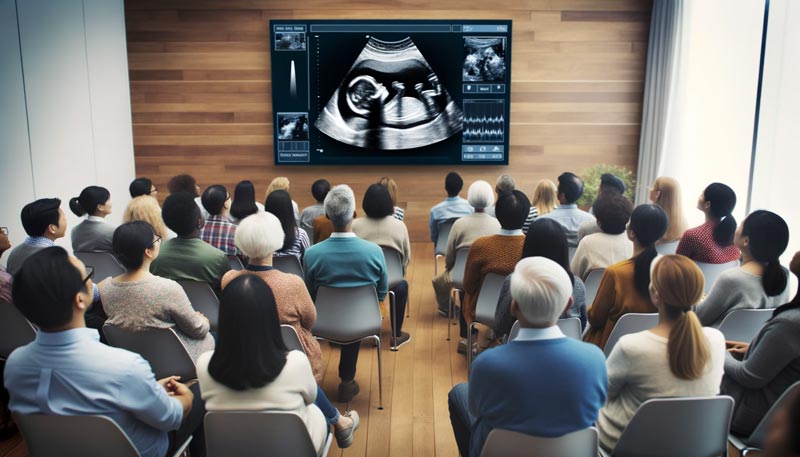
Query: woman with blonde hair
389, 183
666, 193
676, 358
544, 200
145, 208
282, 183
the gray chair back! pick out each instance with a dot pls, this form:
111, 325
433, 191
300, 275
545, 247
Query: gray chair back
15, 330
630, 323
759, 435
711, 271
104, 263
571, 252
248, 433
669, 427
203, 299
291, 339
667, 248
235, 262
57, 436
505, 443
592, 284
288, 264
348, 314
570, 326
161, 347
487, 299
459, 267
394, 266
444, 233
744, 324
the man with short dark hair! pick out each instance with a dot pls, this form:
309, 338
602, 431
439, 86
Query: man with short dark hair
142, 186
44, 222
67, 371
570, 189
218, 231
452, 207
319, 190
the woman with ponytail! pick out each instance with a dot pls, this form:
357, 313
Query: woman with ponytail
760, 281
624, 286
712, 242
94, 233
676, 358
757, 373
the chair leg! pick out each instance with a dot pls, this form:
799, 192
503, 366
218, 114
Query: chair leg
469, 348
408, 303
393, 320
380, 373
435, 265
450, 311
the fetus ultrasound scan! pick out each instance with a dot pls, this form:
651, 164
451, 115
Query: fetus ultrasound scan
484, 59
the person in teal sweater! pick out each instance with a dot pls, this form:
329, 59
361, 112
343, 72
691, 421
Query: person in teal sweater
344, 260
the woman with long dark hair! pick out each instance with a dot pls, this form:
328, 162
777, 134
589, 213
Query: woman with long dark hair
624, 287
94, 233
760, 281
244, 202
712, 242
295, 241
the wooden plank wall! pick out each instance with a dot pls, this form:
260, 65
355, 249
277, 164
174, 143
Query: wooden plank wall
201, 93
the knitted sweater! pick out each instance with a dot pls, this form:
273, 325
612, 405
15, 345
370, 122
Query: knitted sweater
345, 262
322, 229
386, 231
465, 231
490, 254
599, 250
736, 289
698, 244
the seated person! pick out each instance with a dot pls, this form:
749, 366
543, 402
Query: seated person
187, 256
391, 186
464, 232
322, 229
546, 238
138, 300
759, 372
282, 183
542, 383
624, 287
319, 190
217, 230
252, 370
44, 222
676, 358
666, 193
452, 207
505, 183
493, 254
5, 277
244, 202
142, 186
760, 282
570, 189
53, 291
295, 240
382, 228
712, 242
611, 244
93, 233
610, 185
344, 260
144, 208
187, 183
543, 201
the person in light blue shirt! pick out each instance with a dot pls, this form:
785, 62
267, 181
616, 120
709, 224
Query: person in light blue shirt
542, 383
570, 189
67, 371
452, 207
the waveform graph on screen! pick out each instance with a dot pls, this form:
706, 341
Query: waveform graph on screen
484, 121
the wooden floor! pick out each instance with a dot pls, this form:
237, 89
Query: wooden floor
414, 420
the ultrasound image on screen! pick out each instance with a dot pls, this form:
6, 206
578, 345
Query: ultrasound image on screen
290, 41
484, 59
390, 99
292, 126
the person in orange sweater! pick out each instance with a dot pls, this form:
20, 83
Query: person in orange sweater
494, 253
322, 228
624, 287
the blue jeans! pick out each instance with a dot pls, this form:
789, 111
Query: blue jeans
328, 410
460, 417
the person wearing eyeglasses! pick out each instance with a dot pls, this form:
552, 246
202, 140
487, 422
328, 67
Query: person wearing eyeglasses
44, 222
218, 231
5, 276
142, 186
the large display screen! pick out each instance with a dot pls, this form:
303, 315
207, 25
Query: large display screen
391, 92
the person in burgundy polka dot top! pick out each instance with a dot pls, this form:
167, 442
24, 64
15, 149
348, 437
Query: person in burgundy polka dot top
712, 242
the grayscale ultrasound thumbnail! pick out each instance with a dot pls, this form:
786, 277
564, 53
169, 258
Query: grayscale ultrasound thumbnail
484, 59
292, 126
292, 41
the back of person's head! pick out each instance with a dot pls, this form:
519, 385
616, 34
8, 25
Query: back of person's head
677, 283
279, 203
648, 224
340, 205
183, 183
612, 183
392, 186
259, 235
214, 199
613, 211
140, 186
244, 200
766, 236
512, 209
547, 238
377, 202
505, 183
666, 193
45, 287
279, 183
250, 351
87, 202
130, 241
722, 200
542, 290
320, 189
545, 197
570, 186
181, 213
453, 184
39, 215
145, 208
480, 195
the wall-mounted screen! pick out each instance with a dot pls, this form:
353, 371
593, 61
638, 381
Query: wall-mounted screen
347, 92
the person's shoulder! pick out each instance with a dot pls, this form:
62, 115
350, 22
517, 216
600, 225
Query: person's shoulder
203, 361
439, 205
296, 360
577, 285
714, 337
586, 351
621, 267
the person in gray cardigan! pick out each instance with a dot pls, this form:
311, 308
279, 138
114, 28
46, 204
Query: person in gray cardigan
94, 233
757, 373
760, 282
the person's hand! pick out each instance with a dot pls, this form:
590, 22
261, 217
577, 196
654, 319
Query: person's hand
180, 391
167, 382
737, 349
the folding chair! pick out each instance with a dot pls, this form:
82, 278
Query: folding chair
592, 284
667, 248
485, 308
394, 272
15, 330
235, 262
505, 443
161, 347
440, 246
457, 276
288, 264
248, 433
203, 299
711, 271
104, 263
291, 339
630, 323
744, 324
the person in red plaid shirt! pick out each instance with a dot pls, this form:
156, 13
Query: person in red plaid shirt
218, 231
